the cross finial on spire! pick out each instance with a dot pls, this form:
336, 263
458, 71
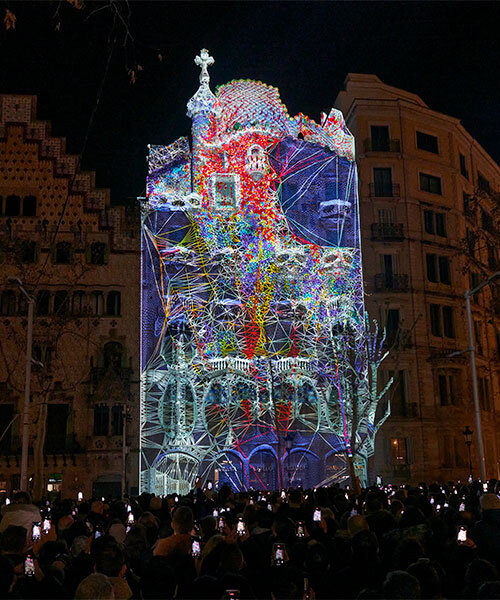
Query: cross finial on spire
204, 60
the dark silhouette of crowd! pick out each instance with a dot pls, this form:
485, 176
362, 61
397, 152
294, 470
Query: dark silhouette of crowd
436, 541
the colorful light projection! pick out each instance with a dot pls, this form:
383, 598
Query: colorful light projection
255, 361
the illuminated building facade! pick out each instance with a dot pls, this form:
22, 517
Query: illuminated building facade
253, 323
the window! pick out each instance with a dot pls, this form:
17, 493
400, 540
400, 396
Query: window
492, 257
78, 303
448, 322
112, 355
431, 268
117, 420
28, 252
487, 222
382, 182
97, 303
386, 216
29, 206
430, 183
484, 393
43, 353
463, 166
427, 142
56, 428
448, 389
113, 304
6, 416
101, 419
399, 451
62, 255
225, 190
429, 221
482, 183
435, 223
97, 254
435, 312
8, 303
478, 336
438, 269
392, 325
380, 138
474, 280
12, 206
22, 305
444, 270
43, 303
61, 302
467, 204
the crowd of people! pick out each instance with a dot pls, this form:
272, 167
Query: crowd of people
436, 541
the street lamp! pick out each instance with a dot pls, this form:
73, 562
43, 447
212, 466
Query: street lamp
27, 383
467, 433
472, 354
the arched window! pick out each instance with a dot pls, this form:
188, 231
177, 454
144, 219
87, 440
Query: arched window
43, 303
113, 301
78, 303
97, 253
29, 206
97, 303
62, 255
113, 354
61, 302
8, 303
12, 206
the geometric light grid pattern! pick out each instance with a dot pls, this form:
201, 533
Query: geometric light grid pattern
257, 367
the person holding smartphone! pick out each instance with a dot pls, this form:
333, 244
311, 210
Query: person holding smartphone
180, 541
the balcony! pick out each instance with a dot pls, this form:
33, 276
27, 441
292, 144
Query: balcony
385, 191
382, 145
387, 232
387, 282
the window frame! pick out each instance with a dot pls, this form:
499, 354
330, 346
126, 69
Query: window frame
429, 179
429, 136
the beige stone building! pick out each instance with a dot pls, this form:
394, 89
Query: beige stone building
429, 219
78, 257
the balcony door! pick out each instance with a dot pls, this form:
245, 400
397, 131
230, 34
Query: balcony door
382, 182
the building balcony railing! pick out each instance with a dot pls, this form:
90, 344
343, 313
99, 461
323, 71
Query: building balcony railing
391, 282
387, 231
385, 191
382, 146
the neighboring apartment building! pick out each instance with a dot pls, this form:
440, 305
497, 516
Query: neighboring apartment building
78, 257
429, 209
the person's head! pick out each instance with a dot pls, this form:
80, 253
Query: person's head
155, 503
96, 586
428, 577
489, 590
21, 498
478, 572
295, 499
232, 559
158, 579
51, 552
97, 507
13, 539
110, 560
357, 523
64, 523
407, 551
6, 576
182, 520
401, 585
489, 502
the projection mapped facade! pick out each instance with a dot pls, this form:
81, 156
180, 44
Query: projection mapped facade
253, 325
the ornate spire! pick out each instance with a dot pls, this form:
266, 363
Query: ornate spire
204, 100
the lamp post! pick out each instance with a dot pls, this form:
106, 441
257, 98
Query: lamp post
467, 433
27, 384
472, 355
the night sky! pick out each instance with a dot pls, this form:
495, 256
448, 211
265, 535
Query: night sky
448, 53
